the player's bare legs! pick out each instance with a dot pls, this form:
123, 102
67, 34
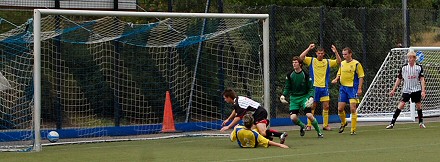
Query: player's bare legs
261, 127
268, 133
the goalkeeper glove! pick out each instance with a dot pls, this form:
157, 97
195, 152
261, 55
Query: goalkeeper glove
283, 99
309, 102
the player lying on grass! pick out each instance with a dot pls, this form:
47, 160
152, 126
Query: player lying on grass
241, 106
246, 137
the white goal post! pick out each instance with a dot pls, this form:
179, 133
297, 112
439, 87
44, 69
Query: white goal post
38, 32
377, 105
103, 75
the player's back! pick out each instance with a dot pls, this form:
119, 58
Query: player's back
248, 138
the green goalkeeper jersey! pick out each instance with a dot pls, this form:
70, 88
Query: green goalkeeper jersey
298, 85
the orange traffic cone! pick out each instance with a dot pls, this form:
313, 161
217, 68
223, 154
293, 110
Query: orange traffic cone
168, 117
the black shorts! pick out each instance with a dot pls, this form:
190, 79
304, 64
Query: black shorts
296, 111
260, 114
415, 97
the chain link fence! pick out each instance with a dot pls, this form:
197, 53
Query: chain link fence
369, 32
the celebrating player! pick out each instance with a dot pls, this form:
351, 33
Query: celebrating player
248, 138
351, 76
413, 87
241, 106
320, 74
300, 89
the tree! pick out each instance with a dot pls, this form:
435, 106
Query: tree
426, 4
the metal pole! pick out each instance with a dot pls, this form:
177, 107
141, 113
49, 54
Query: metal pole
115, 5
405, 24
266, 72
220, 6
321, 26
364, 40
37, 79
199, 52
57, 4
273, 62
57, 104
170, 5
221, 71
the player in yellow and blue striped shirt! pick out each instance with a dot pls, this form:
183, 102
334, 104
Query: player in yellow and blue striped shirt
319, 70
351, 77
248, 138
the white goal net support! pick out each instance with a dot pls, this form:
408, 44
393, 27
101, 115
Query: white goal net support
377, 105
104, 75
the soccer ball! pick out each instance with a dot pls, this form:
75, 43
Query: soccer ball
53, 136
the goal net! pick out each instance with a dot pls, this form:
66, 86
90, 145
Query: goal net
377, 105
103, 76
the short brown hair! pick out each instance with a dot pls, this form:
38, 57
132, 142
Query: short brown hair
348, 50
320, 49
248, 120
296, 58
229, 93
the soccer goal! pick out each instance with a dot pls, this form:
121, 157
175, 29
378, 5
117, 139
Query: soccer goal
377, 105
104, 75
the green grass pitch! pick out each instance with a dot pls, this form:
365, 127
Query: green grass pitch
406, 142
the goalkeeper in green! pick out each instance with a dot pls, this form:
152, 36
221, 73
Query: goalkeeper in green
300, 88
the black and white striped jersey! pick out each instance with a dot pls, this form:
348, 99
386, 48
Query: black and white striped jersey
411, 78
244, 104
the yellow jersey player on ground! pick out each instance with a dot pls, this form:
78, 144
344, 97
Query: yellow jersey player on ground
248, 138
243, 105
351, 77
319, 70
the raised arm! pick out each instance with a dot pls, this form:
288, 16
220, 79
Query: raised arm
338, 57
304, 53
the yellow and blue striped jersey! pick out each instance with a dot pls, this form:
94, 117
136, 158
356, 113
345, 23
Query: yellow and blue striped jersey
350, 72
320, 70
248, 138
